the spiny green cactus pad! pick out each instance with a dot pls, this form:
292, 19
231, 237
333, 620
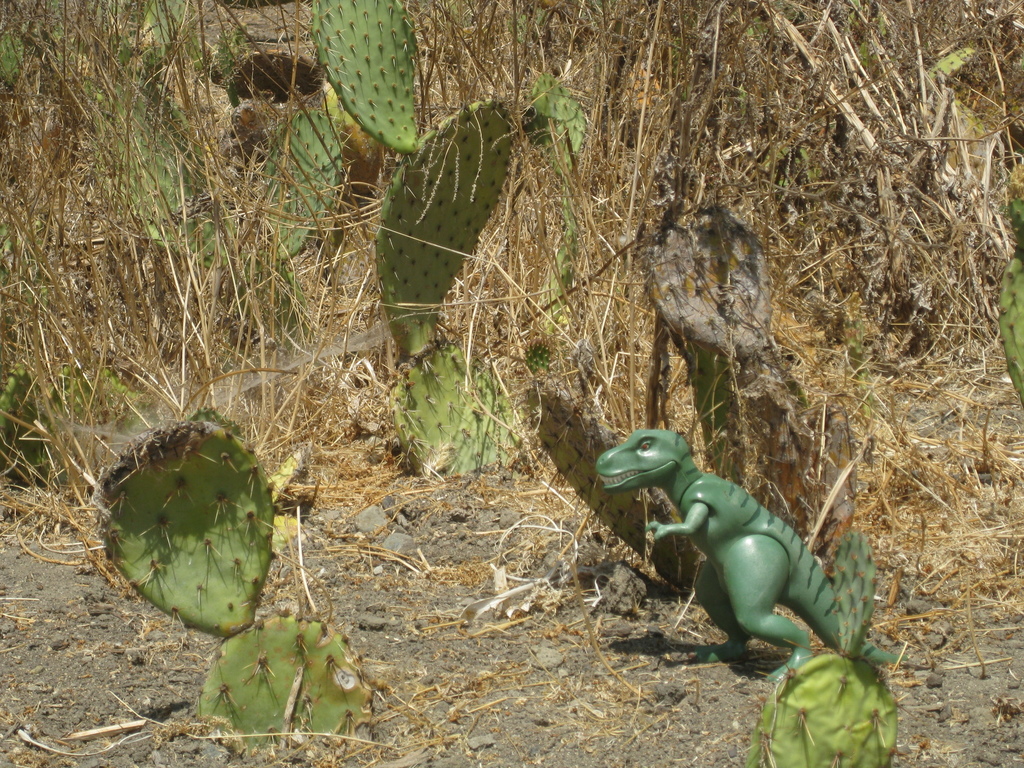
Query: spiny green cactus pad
450, 420
22, 453
854, 583
306, 173
1011, 322
538, 357
188, 520
557, 118
833, 711
432, 215
368, 50
283, 662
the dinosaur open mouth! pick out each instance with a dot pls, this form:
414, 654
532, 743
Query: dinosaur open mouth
620, 478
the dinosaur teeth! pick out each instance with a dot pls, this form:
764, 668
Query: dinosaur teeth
616, 479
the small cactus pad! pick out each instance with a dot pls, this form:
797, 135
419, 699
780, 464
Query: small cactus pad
306, 172
216, 417
1011, 302
538, 357
287, 676
368, 51
188, 520
433, 213
833, 711
556, 117
449, 420
22, 454
854, 584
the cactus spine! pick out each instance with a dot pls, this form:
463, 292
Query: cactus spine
833, 711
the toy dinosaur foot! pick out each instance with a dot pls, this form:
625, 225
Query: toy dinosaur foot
796, 660
727, 651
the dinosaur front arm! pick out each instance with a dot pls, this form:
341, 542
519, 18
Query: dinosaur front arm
696, 516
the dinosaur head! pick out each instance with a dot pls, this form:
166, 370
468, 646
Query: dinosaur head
648, 458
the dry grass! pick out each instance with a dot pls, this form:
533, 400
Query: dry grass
874, 182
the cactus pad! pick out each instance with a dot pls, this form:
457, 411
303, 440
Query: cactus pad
854, 584
306, 172
538, 357
22, 453
557, 118
188, 520
833, 711
450, 419
287, 676
433, 213
368, 50
1011, 302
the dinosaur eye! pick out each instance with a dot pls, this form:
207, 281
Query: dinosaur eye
645, 445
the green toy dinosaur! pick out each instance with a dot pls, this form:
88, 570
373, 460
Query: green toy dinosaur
754, 560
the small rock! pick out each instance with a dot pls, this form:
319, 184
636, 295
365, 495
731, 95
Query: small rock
934, 680
670, 691
548, 657
332, 514
481, 741
617, 629
371, 622
214, 754
623, 591
370, 519
917, 606
981, 715
402, 543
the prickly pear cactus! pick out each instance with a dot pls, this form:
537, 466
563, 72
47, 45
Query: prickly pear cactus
306, 173
368, 50
1011, 322
22, 453
854, 584
433, 213
833, 710
188, 519
287, 676
558, 122
538, 358
557, 119
216, 417
451, 419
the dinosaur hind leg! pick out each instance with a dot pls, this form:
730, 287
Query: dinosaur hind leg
714, 600
756, 575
